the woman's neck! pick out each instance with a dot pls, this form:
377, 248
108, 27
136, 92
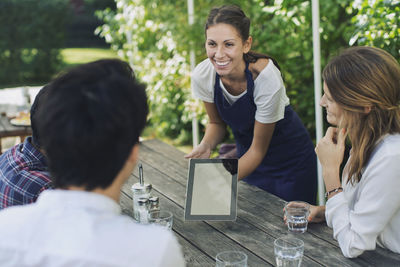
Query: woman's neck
235, 86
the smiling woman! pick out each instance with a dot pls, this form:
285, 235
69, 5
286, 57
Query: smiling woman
245, 90
225, 50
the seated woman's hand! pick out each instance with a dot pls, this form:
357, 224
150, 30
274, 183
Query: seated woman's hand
202, 151
317, 214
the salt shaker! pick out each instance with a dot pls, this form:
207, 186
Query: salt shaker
139, 190
154, 204
143, 210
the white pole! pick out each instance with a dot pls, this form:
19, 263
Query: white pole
317, 90
128, 34
195, 125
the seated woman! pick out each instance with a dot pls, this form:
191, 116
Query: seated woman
362, 98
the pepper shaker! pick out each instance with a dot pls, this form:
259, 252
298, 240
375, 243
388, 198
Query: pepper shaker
154, 204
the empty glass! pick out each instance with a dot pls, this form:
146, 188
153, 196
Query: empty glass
231, 258
288, 251
163, 218
296, 213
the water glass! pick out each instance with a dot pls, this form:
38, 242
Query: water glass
231, 258
288, 251
163, 218
296, 213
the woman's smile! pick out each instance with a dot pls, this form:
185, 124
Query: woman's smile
225, 49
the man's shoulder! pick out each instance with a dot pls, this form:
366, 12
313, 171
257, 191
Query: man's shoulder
8, 157
21, 182
24, 163
143, 244
117, 237
22, 156
13, 219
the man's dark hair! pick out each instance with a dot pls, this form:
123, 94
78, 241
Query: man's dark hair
90, 120
34, 118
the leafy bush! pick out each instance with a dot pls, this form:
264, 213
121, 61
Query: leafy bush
148, 43
378, 24
31, 35
284, 31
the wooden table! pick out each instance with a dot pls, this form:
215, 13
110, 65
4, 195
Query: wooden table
9, 130
258, 224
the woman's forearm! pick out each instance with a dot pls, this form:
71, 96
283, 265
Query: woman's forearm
215, 133
249, 162
258, 149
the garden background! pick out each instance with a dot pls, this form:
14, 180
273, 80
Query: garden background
40, 38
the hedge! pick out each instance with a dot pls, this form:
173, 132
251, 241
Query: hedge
31, 35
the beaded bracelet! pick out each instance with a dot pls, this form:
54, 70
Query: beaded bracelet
333, 191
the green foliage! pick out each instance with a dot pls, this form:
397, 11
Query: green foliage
31, 35
284, 31
378, 24
143, 35
155, 37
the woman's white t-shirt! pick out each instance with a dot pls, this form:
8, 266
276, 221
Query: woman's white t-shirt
269, 92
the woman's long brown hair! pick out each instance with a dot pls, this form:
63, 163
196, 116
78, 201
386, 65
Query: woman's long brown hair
359, 79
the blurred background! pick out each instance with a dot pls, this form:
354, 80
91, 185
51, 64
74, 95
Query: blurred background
39, 38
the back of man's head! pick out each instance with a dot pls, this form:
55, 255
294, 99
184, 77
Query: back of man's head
90, 120
34, 118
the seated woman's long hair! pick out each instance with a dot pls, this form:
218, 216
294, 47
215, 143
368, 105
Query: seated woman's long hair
365, 83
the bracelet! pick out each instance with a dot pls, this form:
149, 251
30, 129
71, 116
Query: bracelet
333, 191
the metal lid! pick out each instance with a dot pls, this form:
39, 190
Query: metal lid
153, 199
143, 201
138, 188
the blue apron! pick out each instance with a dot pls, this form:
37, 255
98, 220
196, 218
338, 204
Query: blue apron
289, 169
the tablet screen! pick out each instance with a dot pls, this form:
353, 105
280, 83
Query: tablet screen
211, 192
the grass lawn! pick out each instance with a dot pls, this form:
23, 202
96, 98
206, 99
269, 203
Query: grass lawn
76, 56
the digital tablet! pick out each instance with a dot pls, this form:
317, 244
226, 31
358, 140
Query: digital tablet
211, 192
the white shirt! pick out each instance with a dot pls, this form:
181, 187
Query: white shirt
75, 228
368, 213
269, 92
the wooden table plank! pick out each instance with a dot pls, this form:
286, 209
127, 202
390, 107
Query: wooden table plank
255, 195
200, 234
193, 256
321, 230
259, 219
171, 168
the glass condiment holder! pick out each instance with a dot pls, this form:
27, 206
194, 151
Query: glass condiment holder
143, 210
139, 190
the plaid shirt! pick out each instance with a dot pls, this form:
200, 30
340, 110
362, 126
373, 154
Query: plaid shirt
23, 175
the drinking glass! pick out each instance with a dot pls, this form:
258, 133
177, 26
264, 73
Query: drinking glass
288, 251
163, 218
296, 213
231, 258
